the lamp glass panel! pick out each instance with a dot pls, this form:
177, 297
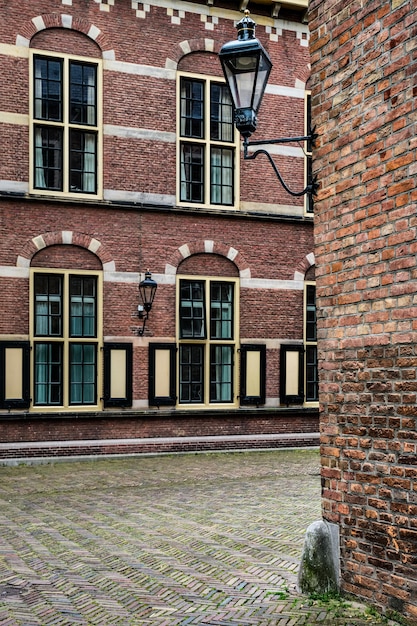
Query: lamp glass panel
147, 293
261, 80
241, 86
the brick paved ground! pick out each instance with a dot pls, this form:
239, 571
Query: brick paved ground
167, 540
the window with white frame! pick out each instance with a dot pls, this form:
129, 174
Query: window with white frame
207, 154
65, 125
66, 328
207, 330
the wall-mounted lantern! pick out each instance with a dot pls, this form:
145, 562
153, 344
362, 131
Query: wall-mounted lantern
147, 290
246, 67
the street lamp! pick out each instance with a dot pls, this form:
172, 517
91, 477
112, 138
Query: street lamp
147, 290
246, 67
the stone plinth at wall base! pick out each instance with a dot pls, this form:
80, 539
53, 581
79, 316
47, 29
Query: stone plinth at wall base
28, 435
15, 453
320, 561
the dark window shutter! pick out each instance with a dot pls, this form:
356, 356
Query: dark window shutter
117, 374
292, 374
162, 374
252, 374
14, 374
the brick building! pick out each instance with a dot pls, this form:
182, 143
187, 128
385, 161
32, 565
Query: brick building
364, 78
119, 156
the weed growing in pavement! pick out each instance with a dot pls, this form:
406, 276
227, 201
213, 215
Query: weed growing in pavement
394, 616
339, 605
280, 594
328, 597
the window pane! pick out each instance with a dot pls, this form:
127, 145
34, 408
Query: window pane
48, 373
221, 113
83, 373
311, 374
192, 108
309, 196
83, 306
221, 310
83, 90
48, 157
48, 305
222, 176
311, 313
192, 173
308, 122
221, 374
192, 309
191, 374
83, 161
48, 89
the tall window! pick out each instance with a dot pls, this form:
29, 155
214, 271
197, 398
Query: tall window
65, 339
309, 203
65, 125
207, 335
310, 332
207, 144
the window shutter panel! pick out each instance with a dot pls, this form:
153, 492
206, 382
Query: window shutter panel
14, 374
292, 374
252, 374
117, 374
162, 374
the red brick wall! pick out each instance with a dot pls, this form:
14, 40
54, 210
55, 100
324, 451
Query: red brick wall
151, 42
132, 236
364, 85
156, 432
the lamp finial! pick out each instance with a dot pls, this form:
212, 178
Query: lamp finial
246, 27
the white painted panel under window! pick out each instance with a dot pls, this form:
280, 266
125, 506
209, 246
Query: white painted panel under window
14, 368
292, 382
118, 373
162, 373
253, 370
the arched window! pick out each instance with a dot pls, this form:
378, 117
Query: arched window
207, 337
66, 124
66, 335
207, 154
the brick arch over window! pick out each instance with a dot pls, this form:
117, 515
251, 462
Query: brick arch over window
60, 20
208, 246
190, 45
303, 77
65, 237
304, 266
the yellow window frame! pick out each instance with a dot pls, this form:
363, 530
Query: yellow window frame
66, 340
66, 125
207, 342
308, 154
207, 143
308, 283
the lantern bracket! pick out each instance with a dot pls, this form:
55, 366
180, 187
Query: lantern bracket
311, 188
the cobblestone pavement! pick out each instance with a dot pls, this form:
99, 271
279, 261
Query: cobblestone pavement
206, 539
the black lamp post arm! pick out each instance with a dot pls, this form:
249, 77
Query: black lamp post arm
310, 188
143, 316
260, 142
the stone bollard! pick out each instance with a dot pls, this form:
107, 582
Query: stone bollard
319, 569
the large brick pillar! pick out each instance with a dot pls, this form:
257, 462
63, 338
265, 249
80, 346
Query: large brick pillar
364, 88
